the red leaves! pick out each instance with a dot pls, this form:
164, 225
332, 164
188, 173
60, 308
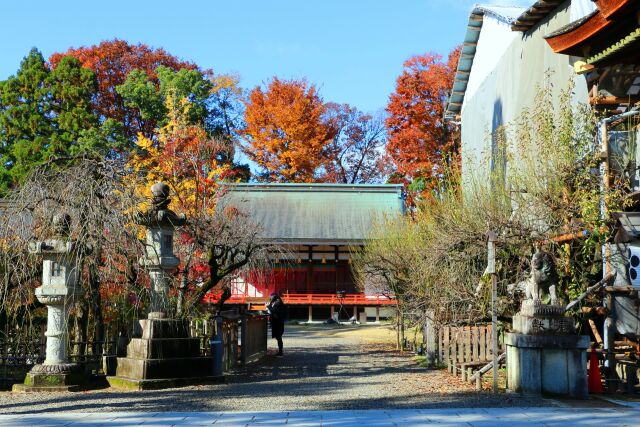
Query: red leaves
419, 140
112, 61
285, 130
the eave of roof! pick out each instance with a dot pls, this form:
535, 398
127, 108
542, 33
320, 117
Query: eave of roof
533, 15
505, 14
570, 39
306, 187
630, 41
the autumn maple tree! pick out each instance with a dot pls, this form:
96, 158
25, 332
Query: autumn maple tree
420, 143
112, 61
285, 131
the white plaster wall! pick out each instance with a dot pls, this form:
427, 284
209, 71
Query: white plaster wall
509, 87
495, 38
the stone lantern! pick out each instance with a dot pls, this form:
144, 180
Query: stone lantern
58, 291
161, 353
159, 258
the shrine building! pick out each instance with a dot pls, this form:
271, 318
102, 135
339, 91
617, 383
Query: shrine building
318, 228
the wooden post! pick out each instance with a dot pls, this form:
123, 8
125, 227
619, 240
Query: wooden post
430, 339
378, 314
355, 313
333, 311
474, 343
309, 270
310, 313
483, 343
467, 344
402, 332
491, 269
445, 345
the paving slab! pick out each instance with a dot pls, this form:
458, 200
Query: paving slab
511, 417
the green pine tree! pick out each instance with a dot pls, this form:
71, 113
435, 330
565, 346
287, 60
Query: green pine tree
45, 113
26, 122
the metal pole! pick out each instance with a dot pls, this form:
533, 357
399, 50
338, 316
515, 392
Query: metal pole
491, 269
609, 323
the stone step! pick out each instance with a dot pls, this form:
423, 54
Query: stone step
182, 367
163, 348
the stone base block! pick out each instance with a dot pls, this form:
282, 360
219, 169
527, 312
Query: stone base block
547, 364
163, 348
122, 383
552, 325
35, 382
152, 369
23, 388
160, 328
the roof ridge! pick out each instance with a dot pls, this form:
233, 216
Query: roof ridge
490, 9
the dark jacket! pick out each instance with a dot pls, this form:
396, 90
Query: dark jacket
278, 312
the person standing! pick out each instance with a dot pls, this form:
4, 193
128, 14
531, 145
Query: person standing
277, 312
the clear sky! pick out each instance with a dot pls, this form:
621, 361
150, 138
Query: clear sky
352, 49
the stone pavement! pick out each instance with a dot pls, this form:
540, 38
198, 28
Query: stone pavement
324, 368
476, 417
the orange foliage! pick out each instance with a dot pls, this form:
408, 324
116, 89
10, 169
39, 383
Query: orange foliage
420, 142
285, 131
112, 61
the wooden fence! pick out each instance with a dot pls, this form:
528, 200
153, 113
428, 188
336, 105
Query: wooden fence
465, 349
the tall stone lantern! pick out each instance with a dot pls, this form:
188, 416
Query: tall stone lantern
58, 291
161, 353
159, 258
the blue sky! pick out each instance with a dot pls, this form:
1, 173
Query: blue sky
352, 49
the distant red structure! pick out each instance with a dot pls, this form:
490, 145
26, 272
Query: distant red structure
318, 227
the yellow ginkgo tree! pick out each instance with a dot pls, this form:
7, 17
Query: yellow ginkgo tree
214, 243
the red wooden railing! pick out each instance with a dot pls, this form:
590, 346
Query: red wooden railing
308, 299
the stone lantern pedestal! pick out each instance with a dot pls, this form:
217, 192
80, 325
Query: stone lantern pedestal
59, 289
161, 353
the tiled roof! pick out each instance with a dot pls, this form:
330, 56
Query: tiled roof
316, 213
536, 13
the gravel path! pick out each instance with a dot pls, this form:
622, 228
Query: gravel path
320, 371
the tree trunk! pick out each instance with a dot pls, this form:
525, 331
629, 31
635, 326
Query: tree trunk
96, 309
182, 289
184, 281
82, 322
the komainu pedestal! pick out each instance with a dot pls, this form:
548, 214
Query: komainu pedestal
161, 354
544, 354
